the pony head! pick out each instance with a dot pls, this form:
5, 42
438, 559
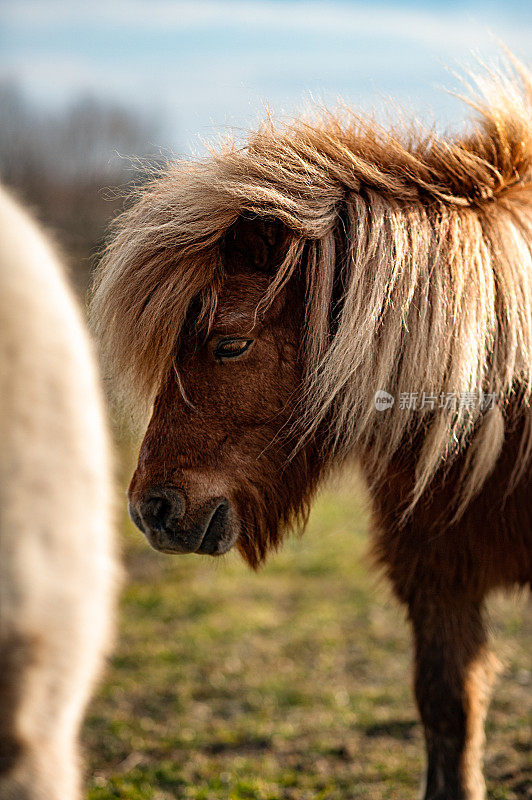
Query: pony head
216, 466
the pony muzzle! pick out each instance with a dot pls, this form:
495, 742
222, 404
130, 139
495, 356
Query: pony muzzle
164, 515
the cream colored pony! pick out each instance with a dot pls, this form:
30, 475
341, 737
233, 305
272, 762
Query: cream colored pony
56, 555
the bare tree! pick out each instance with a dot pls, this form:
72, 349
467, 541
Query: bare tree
71, 166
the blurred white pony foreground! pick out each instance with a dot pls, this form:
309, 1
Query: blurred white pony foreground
57, 569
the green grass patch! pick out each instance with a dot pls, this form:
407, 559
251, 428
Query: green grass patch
289, 684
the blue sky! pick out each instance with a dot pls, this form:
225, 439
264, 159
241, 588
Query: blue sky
203, 67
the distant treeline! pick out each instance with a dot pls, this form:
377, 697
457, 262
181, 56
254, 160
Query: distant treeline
73, 167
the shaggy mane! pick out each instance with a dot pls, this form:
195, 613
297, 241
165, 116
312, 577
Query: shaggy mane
430, 237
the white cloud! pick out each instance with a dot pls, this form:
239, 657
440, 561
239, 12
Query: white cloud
429, 24
209, 64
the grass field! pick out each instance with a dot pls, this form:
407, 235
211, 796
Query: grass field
289, 684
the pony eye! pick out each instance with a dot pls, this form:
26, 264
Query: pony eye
231, 348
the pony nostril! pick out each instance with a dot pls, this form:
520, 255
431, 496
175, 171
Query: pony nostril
160, 508
157, 509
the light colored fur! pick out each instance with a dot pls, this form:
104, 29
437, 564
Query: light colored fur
57, 569
433, 236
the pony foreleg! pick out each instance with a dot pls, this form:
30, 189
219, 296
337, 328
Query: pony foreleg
453, 676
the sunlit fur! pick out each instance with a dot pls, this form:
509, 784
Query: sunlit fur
405, 266
57, 570
434, 237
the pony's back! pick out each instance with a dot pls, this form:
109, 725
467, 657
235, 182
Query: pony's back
56, 560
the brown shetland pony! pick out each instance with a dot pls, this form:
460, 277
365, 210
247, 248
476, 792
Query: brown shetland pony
258, 301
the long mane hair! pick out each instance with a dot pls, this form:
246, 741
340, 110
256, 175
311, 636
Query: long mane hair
429, 238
